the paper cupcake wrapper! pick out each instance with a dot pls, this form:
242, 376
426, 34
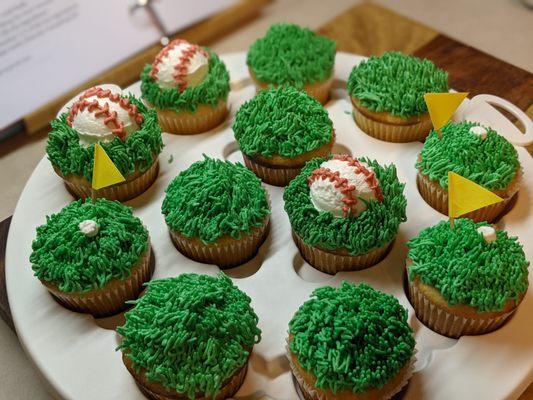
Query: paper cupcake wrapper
80, 188
229, 254
272, 176
331, 263
448, 324
190, 123
111, 298
437, 197
310, 393
319, 90
393, 133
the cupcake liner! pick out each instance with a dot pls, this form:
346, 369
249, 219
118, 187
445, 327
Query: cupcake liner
111, 298
448, 324
331, 263
437, 197
272, 176
225, 253
203, 119
80, 187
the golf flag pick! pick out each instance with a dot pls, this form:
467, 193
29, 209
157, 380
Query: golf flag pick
441, 107
105, 173
465, 196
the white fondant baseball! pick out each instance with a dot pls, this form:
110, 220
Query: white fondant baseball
340, 185
488, 233
479, 131
89, 227
180, 64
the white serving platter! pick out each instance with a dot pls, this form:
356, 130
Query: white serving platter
76, 353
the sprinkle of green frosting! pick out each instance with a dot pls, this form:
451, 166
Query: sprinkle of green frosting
138, 150
75, 262
465, 268
376, 226
190, 333
396, 83
352, 338
291, 55
491, 162
283, 121
214, 198
214, 88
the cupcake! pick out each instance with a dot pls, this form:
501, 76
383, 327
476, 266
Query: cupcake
465, 280
92, 256
345, 212
123, 126
217, 212
291, 55
475, 152
189, 337
188, 86
279, 130
350, 343
387, 94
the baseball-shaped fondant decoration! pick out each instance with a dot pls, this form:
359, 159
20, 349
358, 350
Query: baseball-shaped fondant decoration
341, 186
100, 115
179, 65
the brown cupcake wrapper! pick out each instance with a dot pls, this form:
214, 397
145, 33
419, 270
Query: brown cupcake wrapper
331, 263
230, 253
79, 187
111, 298
448, 324
437, 197
391, 132
272, 176
191, 123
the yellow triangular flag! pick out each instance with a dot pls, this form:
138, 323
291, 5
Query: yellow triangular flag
441, 106
465, 196
105, 173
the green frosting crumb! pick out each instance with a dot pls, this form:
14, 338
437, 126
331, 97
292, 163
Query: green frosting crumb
215, 198
190, 333
138, 151
291, 55
396, 83
283, 121
352, 338
375, 227
491, 162
213, 89
465, 268
75, 262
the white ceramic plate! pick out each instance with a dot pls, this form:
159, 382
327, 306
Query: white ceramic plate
76, 354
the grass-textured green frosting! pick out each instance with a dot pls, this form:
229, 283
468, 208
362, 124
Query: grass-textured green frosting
214, 88
491, 162
352, 338
214, 198
73, 261
138, 151
190, 333
292, 55
465, 268
283, 121
396, 83
376, 226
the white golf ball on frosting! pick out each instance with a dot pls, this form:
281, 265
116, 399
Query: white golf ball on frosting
479, 131
180, 64
341, 186
488, 233
89, 227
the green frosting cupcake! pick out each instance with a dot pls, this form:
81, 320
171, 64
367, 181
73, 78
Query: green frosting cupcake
465, 268
190, 333
353, 338
78, 262
396, 83
491, 162
214, 198
137, 152
375, 227
283, 121
214, 88
291, 55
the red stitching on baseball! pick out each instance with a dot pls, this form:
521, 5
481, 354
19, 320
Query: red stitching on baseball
370, 176
340, 183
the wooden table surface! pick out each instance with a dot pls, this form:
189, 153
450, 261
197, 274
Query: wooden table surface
370, 29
